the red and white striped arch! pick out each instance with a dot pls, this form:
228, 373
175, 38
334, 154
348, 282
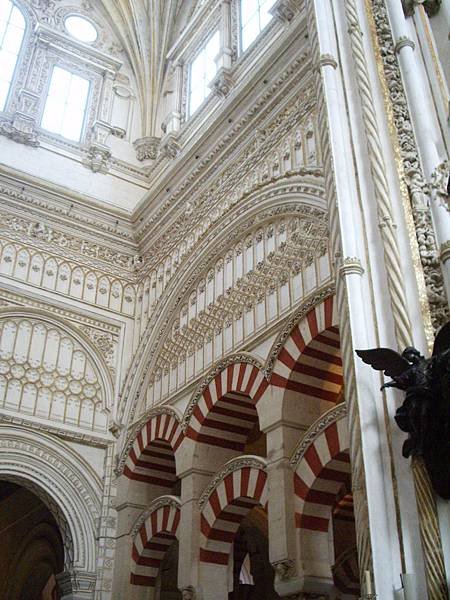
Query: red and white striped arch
225, 413
320, 474
309, 362
238, 492
152, 456
152, 541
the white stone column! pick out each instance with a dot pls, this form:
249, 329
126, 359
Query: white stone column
193, 482
345, 215
425, 122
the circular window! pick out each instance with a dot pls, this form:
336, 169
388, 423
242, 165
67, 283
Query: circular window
81, 29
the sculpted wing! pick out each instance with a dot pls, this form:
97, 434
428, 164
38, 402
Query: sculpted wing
442, 341
384, 359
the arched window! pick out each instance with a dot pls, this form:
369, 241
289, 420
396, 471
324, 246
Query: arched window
12, 28
255, 16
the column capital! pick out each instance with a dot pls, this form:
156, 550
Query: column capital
76, 585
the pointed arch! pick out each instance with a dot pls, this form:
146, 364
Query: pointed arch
150, 454
238, 488
153, 533
222, 411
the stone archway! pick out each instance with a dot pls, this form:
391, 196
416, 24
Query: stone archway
70, 490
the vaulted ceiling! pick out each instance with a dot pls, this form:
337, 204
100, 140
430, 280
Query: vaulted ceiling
147, 29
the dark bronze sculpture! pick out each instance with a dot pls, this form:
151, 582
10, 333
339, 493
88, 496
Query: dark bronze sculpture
425, 413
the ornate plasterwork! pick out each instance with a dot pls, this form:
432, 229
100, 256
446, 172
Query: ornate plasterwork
255, 462
440, 184
49, 371
331, 416
136, 427
69, 246
47, 201
241, 357
418, 187
282, 124
307, 304
167, 500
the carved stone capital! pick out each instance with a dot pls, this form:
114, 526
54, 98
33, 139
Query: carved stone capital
147, 148
351, 265
170, 146
440, 184
328, 60
431, 6
188, 593
98, 158
404, 42
222, 83
445, 251
284, 569
20, 130
76, 584
284, 10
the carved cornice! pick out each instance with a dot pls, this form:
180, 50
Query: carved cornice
134, 429
172, 501
241, 357
307, 304
61, 432
255, 462
331, 416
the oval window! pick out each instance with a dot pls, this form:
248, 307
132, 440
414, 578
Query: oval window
81, 29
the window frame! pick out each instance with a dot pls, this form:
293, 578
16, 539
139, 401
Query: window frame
87, 105
261, 33
199, 50
16, 76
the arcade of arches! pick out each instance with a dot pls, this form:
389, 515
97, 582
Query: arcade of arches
206, 207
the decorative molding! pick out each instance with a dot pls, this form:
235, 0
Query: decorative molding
62, 433
160, 502
255, 462
331, 416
